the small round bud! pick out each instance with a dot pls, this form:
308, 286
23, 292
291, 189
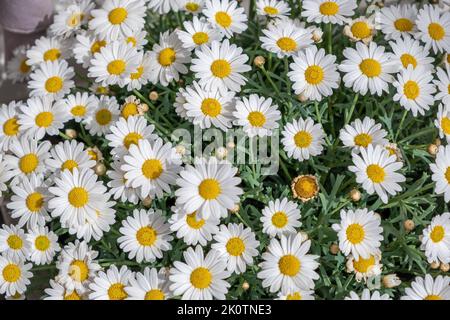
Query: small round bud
221, 153
317, 35
245, 286
147, 202
100, 169
445, 267
180, 149
437, 142
259, 61
391, 281
355, 195
302, 98
303, 235
72, 134
435, 265
142, 108
334, 248
153, 95
236, 208
432, 149
231, 144
409, 225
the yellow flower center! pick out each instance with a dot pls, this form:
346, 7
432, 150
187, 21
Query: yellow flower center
78, 270
52, 54
191, 6
411, 90
363, 140
289, 265
306, 187
92, 154
42, 243
116, 67
75, 19
303, 139
34, 201
24, 67
279, 219
407, 60
223, 19
287, 44
433, 297
166, 57
445, 125
116, 292
28, 163
146, 236
78, 111
131, 40
256, 119
72, 296
403, 25
11, 273
211, 107
54, 84
270, 10
235, 246
200, 38
436, 31
154, 294
221, 68
44, 119
375, 173
11, 127
355, 233
370, 67
102, 90
129, 109
15, 242
209, 189
191, 220
97, 46
69, 165
314, 74
138, 74
294, 296
103, 117
363, 265
131, 138
329, 8
117, 15
361, 30
78, 197
152, 169
201, 278
437, 234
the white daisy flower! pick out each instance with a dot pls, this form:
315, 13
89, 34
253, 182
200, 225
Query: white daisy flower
303, 139
152, 167
191, 228
130, 107
77, 266
210, 187
106, 113
436, 239
191, 6
51, 79
10, 127
163, 6
198, 32
27, 157
443, 84
117, 17
314, 73
68, 155
73, 18
433, 28
13, 242
110, 285
226, 15
126, 132
207, 108
256, 115
272, 8
14, 275
328, 11
29, 202
145, 236
364, 269
359, 134
377, 170
117, 185
296, 295
398, 20
285, 38
79, 106
361, 29
415, 90
443, 121
280, 217
77, 195
359, 233
200, 278
86, 45
142, 75
408, 52
44, 245
148, 285
238, 245
427, 288
48, 49
367, 295
17, 68
59, 292
441, 172
220, 66
168, 59
287, 265
368, 68
138, 39
114, 64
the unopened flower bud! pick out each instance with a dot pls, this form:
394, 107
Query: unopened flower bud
391, 281
180, 149
231, 144
302, 98
317, 35
236, 208
409, 225
334, 248
303, 235
142, 108
147, 202
355, 195
100, 169
71, 133
221, 153
432, 149
259, 61
245, 286
153, 95
437, 142
445, 267
435, 265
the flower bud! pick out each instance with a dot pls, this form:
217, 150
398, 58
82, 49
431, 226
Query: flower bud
409, 225
153, 95
180, 149
432, 149
259, 61
71, 133
437, 142
302, 98
355, 195
317, 35
435, 265
147, 202
303, 235
236, 208
100, 169
445, 267
142, 108
221, 153
231, 144
245, 286
391, 281
334, 248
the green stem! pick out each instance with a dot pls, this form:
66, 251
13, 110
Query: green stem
417, 134
401, 124
65, 136
330, 38
352, 109
270, 80
288, 81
